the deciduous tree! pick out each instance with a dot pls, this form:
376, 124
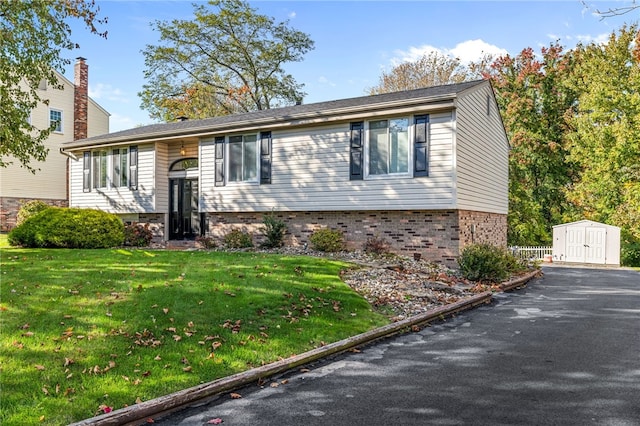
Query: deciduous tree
605, 141
432, 69
227, 59
34, 35
534, 101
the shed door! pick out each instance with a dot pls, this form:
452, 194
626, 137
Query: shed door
575, 243
594, 245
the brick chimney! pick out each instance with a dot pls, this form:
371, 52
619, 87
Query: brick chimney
80, 99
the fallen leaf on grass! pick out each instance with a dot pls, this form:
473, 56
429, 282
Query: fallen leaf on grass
187, 369
39, 367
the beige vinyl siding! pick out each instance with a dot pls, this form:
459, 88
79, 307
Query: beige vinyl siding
161, 178
121, 199
310, 172
50, 181
482, 152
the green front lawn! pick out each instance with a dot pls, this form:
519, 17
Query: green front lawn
87, 329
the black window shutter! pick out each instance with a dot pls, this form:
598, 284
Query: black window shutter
133, 167
86, 171
265, 158
115, 162
356, 151
421, 146
219, 145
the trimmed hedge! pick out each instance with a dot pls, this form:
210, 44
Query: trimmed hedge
57, 227
30, 208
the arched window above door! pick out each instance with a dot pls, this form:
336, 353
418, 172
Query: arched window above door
184, 164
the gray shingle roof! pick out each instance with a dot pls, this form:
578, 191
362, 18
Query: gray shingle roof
276, 115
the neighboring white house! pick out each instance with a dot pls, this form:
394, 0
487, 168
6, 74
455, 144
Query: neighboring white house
586, 241
425, 169
77, 117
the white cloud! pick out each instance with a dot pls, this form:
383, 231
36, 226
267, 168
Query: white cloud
102, 91
324, 80
472, 50
292, 15
599, 39
467, 51
119, 122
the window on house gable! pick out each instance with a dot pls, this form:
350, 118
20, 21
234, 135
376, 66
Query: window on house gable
55, 119
389, 146
243, 160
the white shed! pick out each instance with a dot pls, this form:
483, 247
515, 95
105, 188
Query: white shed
586, 241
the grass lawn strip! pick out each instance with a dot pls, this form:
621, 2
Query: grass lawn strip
87, 331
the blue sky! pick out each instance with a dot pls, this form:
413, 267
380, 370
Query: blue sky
354, 40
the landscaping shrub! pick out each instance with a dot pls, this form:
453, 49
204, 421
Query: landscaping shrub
238, 239
376, 245
274, 230
485, 262
629, 250
30, 208
206, 241
58, 227
137, 235
327, 240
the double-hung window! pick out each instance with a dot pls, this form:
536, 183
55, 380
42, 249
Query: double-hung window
389, 147
243, 160
55, 119
120, 162
99, 169
117, 168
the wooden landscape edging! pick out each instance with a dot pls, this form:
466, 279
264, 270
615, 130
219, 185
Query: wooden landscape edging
138, 413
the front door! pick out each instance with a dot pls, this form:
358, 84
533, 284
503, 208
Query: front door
183, 216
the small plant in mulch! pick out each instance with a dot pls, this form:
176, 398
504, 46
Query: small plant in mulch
137, 235
273, 231
327, 240
207, 242
238, 239
376, 245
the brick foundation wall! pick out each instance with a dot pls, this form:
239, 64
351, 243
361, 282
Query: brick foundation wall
490, 228
156, 224
9, 207
437, 235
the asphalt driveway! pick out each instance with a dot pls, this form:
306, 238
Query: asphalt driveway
563, 351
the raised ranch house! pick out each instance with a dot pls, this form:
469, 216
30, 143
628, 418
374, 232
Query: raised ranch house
424, 169
76, 116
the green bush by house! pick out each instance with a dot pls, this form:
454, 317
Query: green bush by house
327, 240
29, 209
485, 262
57, 227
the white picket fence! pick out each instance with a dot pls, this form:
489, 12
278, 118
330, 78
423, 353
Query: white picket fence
531, 253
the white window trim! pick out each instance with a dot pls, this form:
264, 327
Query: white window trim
227, 162
410, 136
61, 131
